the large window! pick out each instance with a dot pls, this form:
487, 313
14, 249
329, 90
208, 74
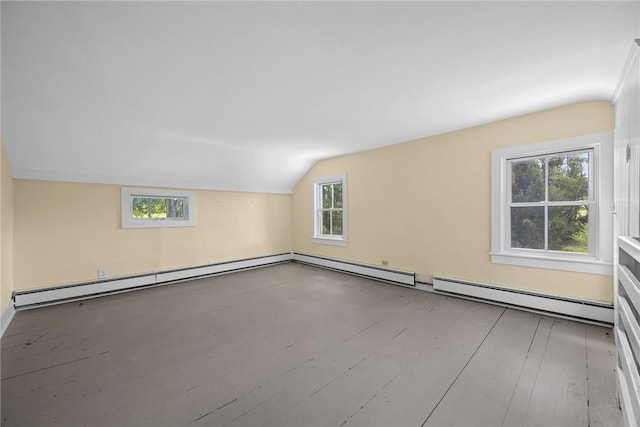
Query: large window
329, 207
144, 208
550, 203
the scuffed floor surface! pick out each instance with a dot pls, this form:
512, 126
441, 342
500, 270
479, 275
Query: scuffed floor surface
292, 345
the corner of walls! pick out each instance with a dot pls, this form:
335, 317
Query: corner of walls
425, 205
70, 230
6, 230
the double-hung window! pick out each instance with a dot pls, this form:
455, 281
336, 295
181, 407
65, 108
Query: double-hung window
550, 204
330, 208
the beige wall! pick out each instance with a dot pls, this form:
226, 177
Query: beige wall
406, 204
425, 205
65, 231
6, 229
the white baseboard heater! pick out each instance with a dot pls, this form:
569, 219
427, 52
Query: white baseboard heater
627, 330
591, 311
401, 277
59, 294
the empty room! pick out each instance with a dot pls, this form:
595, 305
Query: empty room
320, 213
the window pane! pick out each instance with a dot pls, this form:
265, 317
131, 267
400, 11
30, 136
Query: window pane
527, 180
158, 208
527, 227
175, 208
337, 195
140, 208
326, 196
569, 228
326, 222
336, 226
569, 177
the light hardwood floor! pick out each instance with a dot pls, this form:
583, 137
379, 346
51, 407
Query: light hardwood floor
291, 345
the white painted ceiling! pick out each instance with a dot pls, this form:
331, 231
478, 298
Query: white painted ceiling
248, 96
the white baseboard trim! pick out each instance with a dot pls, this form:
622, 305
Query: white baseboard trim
590, 311
7, 316
594, 312
223, 267
60, 294
406, 278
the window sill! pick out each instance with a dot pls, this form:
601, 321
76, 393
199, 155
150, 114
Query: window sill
328, 241
590, 266
159, 223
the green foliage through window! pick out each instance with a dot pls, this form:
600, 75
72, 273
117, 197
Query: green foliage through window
158, 208
331, 212
550, 197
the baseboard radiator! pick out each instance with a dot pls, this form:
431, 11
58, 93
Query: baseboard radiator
590, 311
60, 294
399, 277
627, 329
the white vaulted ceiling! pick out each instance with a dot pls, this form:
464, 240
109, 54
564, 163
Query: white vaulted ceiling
247, 96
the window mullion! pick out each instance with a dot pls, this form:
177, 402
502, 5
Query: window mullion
333, 196
546, 204
572, 203
318, 230
320, 211
506, 210
546, 228
527, 204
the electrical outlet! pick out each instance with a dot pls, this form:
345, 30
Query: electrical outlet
102, 273
384, 263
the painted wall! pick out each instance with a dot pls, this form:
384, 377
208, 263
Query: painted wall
6, 229
425, 205
64, 232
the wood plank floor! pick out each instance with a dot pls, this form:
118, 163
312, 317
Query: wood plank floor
291, 345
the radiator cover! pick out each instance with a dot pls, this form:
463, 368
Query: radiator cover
591, 311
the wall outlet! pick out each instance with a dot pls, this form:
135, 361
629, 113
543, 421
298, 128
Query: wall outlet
384, 263
102, 272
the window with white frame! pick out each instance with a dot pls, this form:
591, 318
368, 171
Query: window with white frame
330, 210
550, 204
146, 207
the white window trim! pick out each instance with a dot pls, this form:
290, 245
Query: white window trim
315, 202
601, 260
127, 193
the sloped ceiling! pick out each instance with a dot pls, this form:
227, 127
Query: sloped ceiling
247, 96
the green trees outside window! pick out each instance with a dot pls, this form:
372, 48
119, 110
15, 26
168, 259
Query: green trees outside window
158, 208
332, 209
550, 199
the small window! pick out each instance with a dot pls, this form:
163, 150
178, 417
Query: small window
144, 208
549, 205
330, 210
